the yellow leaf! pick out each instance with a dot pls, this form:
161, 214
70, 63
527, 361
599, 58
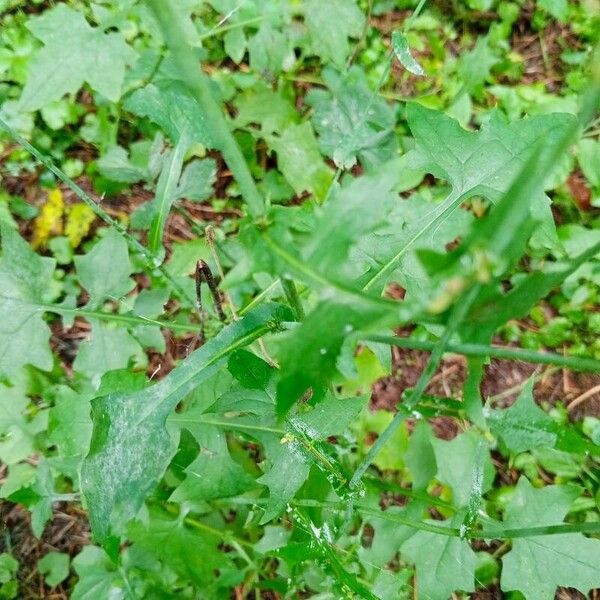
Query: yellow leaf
49, 221
79, 222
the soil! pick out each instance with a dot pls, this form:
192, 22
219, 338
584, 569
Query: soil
68, 532
502, 382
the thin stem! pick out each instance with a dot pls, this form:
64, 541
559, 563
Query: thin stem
575, 363
459, 313
46, 162
134, 320
493, 533
291, 293
259, 297
224, 535
216, 31
408, 23
98, 210
189, 70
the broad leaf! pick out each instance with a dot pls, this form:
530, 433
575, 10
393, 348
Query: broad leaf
485, 162
192, 555
98, 576
171, 105
213, 473
299, 160
420, 456
444, 564
55, 567
105, 270
25, 279
291, 448
110, 347
196, 181
131, 447
456, 461
389, 537
18, 431
351, 122
523, 426
536, 566
330, 25
262, 106
73, 53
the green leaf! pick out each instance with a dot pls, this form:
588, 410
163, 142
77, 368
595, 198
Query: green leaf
444, 564
131, 447
309, 354
172, 106
196, 181
456, 462
69, 425
25, 278
483, 162
55, 567
351, 214
392, 456
495, 308
373, 252
38, 497
213, 473
8, 567
263, 106
351, 121
388, 538
420, 456
105, 270
403, 54
588, 157
109, 347
74, 53
275, 537
20, 476
474, 66
166, 191
559, 9
18, 433
300, 161
330, 24
192, 555
291, 448
536, 566
523, 426
117, 166
98, 577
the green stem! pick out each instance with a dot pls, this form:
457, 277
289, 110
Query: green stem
291, 293
575, 363
200, 86
225, 28
221, 534
457, 316
134, 320
493, 533
259, 297
472, 393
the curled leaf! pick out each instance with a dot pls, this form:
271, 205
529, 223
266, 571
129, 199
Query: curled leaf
403, 54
